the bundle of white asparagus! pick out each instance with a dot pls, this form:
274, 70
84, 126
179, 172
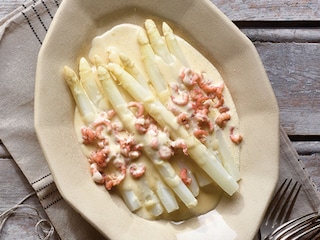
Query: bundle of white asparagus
142, 129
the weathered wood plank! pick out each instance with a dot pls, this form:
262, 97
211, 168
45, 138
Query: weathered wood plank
312, 166
307, 147
239, 10
293, 70
274, 35
269, 10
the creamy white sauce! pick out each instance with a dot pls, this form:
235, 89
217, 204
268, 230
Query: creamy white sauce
123, 38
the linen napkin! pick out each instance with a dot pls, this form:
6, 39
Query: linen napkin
21, 36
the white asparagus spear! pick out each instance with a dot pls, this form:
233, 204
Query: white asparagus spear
89, 82
197, 151
166, 197
157, 42
130, 67
131, 199
87, 110
227, 158
173, 45
150, 199
148, 58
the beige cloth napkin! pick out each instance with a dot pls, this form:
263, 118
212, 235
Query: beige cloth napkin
21, 36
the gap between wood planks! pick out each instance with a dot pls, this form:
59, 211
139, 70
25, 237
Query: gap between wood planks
281, 31
277, 24
306, 144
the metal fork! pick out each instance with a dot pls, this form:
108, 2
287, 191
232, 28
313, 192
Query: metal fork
280, 208
298, 228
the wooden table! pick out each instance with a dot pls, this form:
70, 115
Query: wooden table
286, 34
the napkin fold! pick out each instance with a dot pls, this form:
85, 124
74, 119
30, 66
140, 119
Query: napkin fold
21, 35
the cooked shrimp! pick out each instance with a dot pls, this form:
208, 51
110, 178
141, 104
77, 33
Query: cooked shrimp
137, 170
96, 174
222, 119
88, 135
235, 138
183, 120
180, 143
114, 179
188, 77
184, 177
141, 125
206, 85
223, 109
100, 157
200, 134
165, 153
139, 106
202, 118
181, 98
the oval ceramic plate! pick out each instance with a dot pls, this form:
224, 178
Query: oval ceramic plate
75, 25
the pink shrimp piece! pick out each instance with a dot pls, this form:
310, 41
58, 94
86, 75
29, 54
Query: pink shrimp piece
102, 122
172, 108
100, 125
184, 177
103, 142
99, 132
219, 96
88, 135
100, 157
223, 109
188, 77
141, 125
219, 103
222, 119
196, 94
117, 126
125, 145
154, 143
200, 134
153, 129
137, 147
219, 91
112, 180
203, 120
206, 86
165, 153
111, 113
179, 143
235, 138
203, 102
183, 119
96, 174
134, 154
139, 106
137, 170
182, 100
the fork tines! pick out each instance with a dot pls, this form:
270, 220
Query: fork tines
305, 226
279, 208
